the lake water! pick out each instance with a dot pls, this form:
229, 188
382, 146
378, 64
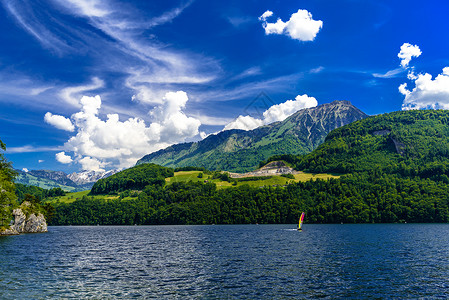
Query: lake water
228, 262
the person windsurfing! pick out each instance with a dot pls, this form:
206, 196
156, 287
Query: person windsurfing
301, 219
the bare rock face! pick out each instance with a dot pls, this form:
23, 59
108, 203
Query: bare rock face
270, 169
23, 224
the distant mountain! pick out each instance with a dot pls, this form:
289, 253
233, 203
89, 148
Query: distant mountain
52, 179
57, 176
89, 177
241, 151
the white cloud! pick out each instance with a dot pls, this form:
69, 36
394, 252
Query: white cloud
91, 8
280, 112
25, 170
173, 124
30, 149
428, 92
59, 122
265, 15
215, 121
91, 164
389, 74
63, 158
245, 123
30, 22
40, 161
99, 143
407, 52
317, 70
301, 25
72, 94
275, 113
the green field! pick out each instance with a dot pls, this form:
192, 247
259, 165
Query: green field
185, 176
71, 197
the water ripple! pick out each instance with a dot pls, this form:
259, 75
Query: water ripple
227, 262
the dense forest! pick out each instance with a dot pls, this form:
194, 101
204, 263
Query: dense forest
409, 143
39, 193
135, 178
361, 198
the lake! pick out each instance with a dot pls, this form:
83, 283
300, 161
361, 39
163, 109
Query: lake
228, 262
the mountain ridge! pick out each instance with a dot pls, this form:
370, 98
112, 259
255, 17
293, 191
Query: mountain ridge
73, 182
238, 150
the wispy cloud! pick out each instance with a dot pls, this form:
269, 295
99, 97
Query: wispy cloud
253, 71
30, 149
33, 27
390, 74
251, 89
317, 70
214, 121
72, 94
153, 68
20, 85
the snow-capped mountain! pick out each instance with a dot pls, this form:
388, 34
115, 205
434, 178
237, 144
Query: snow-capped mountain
86, 177
69, 182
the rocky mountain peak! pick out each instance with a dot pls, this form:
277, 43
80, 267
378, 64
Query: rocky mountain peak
91, 176
241, 151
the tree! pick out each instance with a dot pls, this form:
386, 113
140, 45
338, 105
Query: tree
7, 188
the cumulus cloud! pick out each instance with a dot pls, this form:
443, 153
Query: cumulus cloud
301, 25
92, 164
428, 92
110, 142
173, 124
280, 112
63, 158
407, 52
245, 123
265, 15
59, 122
275, 113
25, 170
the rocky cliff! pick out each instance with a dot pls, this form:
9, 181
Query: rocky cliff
33, 223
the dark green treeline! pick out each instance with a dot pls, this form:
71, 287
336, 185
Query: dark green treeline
358, 198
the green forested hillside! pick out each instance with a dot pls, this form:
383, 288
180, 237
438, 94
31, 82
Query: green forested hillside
135, 178
408, 143
241, 151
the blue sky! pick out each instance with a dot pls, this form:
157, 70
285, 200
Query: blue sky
173, 71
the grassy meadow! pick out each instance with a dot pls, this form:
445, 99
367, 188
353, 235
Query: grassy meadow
185, 176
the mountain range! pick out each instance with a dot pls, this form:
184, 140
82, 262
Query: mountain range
241, 151
69, 182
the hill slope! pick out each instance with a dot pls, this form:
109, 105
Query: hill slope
409, 143
240, 151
